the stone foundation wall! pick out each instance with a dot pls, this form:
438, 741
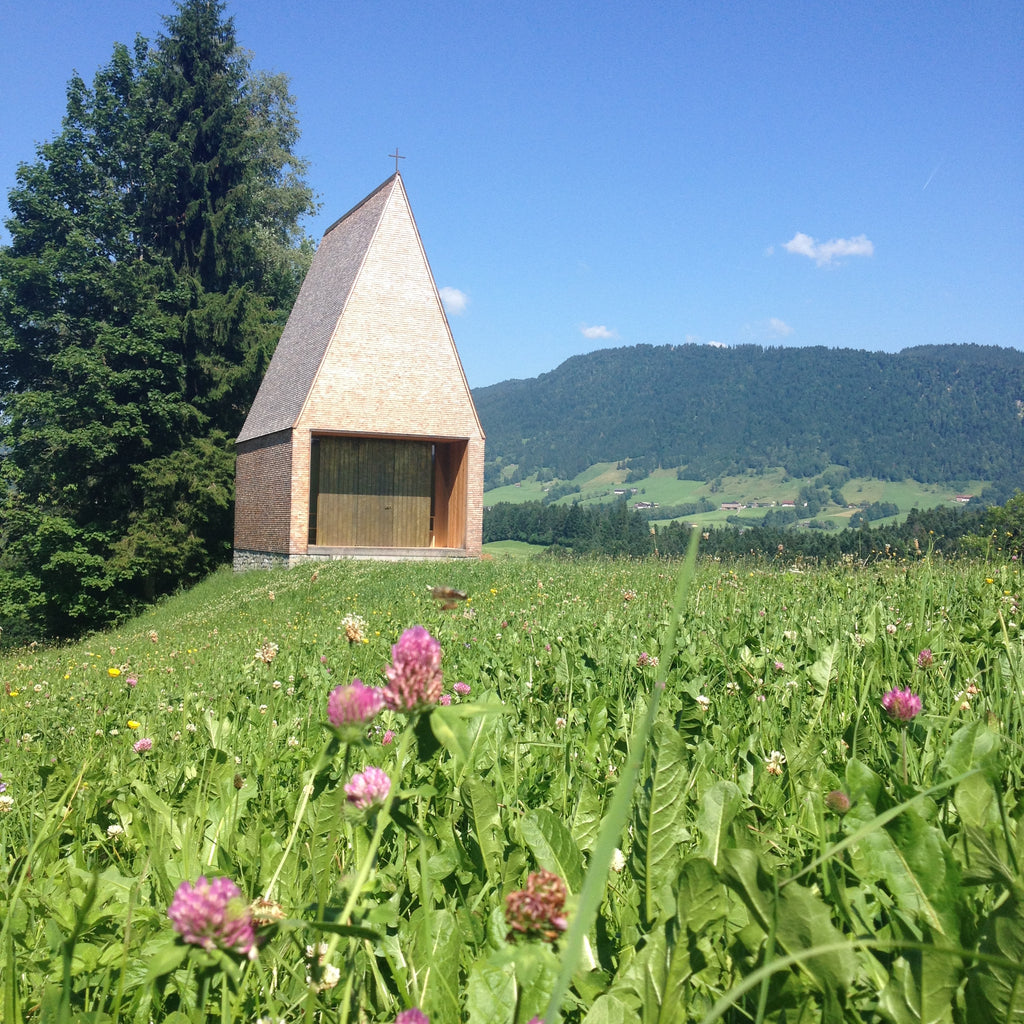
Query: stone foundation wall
246, 560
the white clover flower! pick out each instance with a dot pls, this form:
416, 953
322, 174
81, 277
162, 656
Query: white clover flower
618, 860
774, 761
703, 701
115, 830
6, 802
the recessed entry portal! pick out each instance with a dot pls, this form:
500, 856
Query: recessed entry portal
387, 492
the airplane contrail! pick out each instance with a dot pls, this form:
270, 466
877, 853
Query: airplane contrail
932, 175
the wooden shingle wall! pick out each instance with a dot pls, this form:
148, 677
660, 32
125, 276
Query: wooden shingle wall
263, 481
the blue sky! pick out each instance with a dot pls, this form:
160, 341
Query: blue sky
587, 175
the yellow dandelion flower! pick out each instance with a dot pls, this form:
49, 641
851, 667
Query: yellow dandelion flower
113, 672
132, 724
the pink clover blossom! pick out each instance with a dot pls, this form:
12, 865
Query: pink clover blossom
353, 704
368, 788
213, 915
414, 675
901, 705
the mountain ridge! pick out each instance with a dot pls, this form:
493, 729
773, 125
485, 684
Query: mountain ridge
932, 413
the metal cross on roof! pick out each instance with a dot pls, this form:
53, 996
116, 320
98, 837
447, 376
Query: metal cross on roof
396, 158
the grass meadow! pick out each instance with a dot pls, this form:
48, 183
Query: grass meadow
598, 483
740, 830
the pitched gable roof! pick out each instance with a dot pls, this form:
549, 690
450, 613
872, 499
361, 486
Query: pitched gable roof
319, 306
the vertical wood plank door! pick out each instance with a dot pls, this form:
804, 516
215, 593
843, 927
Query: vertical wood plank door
338, 492
413, 481
374, 492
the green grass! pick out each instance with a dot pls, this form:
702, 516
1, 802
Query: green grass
513, 549
732, 889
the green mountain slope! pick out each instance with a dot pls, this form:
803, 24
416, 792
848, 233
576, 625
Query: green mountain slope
933, 413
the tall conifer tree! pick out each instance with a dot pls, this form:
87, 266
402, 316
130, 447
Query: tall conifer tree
155, 252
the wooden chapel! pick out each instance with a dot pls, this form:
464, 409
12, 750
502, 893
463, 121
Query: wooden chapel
362, 441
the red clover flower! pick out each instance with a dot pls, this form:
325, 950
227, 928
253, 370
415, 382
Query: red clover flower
213, 915
142, 745
412, 1016
353, 704
925, 658
536, 911
368, 788
901, 705
837, 801
414, 675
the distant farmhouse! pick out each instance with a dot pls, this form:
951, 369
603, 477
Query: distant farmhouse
363, 441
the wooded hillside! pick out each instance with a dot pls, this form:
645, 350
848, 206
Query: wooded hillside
932, 413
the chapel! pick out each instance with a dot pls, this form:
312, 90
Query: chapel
363, 440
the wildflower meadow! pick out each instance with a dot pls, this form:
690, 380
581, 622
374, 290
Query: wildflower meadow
581, 791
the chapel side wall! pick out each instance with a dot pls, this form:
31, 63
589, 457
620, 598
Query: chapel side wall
263, 475
298, 543
475, 497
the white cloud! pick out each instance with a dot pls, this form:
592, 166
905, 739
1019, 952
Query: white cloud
597, 332
717, 344
823, 253
779, 327
455, 302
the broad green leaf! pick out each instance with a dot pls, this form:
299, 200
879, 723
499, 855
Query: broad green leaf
657, 979
822, 671
536, 967
610, 1009
553, 846
455, 734
659, 822
975, 745
995, 991
585, 822
478, 794
922, 988
435, 962
164, 957
492, 992
716, 809
701, 895
914, 860
976, 803
798, 918
461, 728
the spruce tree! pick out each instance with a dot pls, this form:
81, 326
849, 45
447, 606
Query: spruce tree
155, 252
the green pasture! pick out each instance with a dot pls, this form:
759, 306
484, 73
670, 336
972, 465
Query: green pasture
701, 756
599, 482
512, 549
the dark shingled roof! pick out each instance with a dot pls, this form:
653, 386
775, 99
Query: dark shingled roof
321, 301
